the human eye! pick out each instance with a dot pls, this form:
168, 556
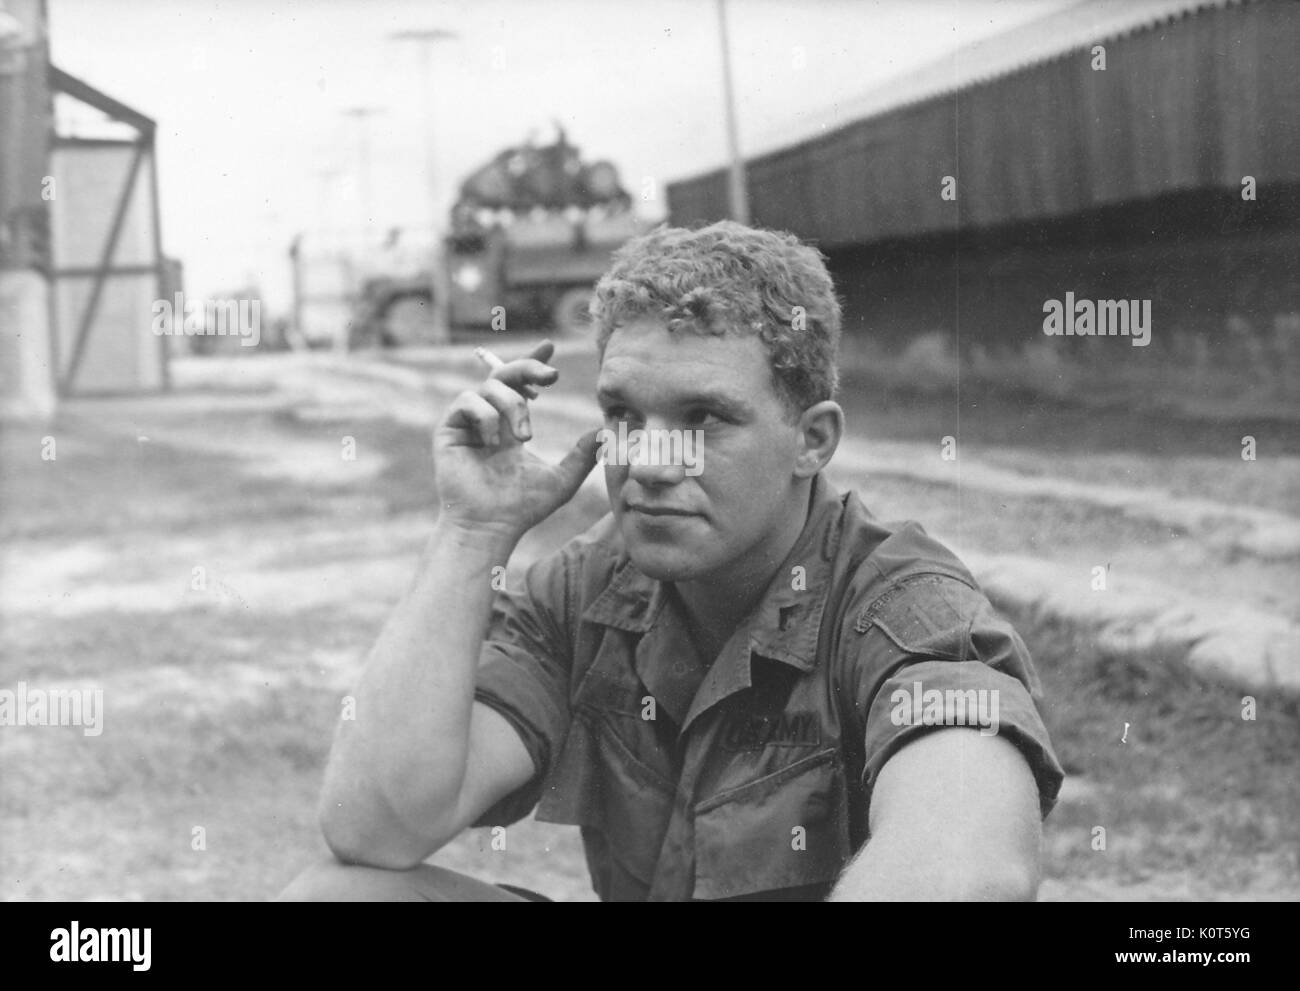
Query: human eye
617, 413
700, 417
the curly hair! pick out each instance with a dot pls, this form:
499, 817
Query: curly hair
729, 278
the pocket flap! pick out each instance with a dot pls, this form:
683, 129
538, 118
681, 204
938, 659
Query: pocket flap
788, 829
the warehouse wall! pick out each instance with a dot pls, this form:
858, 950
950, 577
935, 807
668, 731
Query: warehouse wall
1197, 103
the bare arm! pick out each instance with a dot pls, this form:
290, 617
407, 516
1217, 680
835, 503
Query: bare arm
422, 760
954, 817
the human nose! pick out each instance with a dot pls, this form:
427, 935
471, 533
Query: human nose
657, 463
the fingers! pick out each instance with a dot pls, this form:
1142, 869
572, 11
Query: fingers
523, 373
475, 420
496, 414
543, 351
577, 464
511, 406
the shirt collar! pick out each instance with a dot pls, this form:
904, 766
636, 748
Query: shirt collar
787, 620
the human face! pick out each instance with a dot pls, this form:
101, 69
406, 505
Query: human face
733, 515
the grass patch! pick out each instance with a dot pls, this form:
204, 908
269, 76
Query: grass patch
1194, 788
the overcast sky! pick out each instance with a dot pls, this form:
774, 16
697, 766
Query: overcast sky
249, 95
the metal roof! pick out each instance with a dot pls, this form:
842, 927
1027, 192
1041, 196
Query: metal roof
1053, 36
1197, 95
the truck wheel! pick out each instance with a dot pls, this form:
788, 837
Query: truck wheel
409, 320
571, 313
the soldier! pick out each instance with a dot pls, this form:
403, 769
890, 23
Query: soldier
739, 683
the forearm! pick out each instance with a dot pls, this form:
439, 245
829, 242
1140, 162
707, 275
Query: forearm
396, 769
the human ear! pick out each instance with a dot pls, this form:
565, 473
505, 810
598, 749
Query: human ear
820, 428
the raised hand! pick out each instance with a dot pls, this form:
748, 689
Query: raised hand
485, 477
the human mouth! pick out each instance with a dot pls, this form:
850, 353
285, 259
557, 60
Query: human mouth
659, 511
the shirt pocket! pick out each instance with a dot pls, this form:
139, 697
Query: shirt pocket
599, 781
784, 830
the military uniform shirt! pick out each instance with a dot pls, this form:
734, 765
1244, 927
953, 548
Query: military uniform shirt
752, 776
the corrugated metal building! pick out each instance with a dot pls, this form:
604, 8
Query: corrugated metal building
1065, 173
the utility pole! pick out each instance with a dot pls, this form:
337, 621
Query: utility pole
737, 193
440, 282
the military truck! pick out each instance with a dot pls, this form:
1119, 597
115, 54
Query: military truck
530, 233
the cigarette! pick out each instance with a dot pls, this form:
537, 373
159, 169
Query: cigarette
488, 358
493, 363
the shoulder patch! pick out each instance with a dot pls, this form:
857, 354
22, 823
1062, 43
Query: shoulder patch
929, 615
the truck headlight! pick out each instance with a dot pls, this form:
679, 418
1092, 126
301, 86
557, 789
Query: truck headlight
468, 277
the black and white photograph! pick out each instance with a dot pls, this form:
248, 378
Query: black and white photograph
651, 450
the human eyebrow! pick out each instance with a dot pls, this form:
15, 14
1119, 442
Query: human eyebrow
725, 405
728, 406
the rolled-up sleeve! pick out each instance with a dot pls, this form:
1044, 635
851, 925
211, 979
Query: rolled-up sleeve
934, 653
523, 674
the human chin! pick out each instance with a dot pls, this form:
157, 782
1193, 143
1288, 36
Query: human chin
670, 552
667, 564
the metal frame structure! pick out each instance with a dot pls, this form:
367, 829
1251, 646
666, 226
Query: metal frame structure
144, 149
